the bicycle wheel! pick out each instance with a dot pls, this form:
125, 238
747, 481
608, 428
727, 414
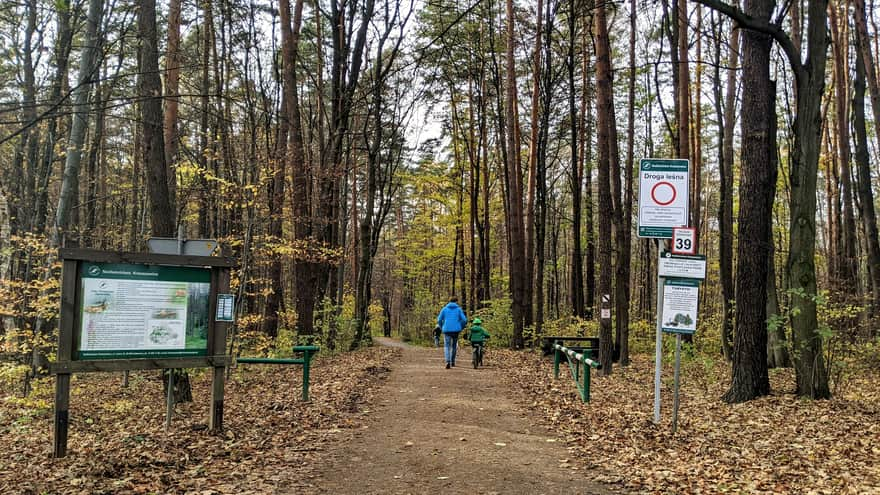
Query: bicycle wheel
476, 358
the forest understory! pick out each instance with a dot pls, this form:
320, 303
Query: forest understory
273, 443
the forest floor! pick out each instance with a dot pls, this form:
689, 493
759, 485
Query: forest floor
452, 431
393, 420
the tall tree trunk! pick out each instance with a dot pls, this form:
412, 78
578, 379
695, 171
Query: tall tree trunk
684, 89
97, 140
866, 193
62, 56
757, 181
812, 376
514, 176
30, 137
533, 162
575, 178
345, 71
587, 155
604, 122
848, 264
697, 138
87, 70
623, 301
867, 57
292, 159
727, 121
205, 140
172, 95
150, 89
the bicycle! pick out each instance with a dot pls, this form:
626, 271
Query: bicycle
477, 358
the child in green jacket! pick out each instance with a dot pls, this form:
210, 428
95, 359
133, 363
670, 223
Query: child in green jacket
478, 334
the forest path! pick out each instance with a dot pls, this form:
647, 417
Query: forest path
450, 431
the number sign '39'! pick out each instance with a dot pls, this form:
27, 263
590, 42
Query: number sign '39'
684, 240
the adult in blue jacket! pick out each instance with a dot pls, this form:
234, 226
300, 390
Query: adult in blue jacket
452, 321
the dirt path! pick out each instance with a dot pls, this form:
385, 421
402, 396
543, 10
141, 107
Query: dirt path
453, 431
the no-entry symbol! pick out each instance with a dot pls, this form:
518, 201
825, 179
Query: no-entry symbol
663, 193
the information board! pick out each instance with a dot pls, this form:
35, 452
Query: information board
663, 196
143, 311
680, 304
681, 266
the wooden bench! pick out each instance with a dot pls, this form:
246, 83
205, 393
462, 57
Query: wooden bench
307, 352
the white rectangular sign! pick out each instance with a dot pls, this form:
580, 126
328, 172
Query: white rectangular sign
681, 266
680, 302
684, 240
663, 196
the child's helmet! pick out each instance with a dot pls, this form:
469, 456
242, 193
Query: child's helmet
477, 321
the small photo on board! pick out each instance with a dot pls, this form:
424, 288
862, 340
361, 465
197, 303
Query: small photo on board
165, 334
165, 314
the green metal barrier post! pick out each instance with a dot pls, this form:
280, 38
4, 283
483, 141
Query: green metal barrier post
556, 358
308, 351
574, 363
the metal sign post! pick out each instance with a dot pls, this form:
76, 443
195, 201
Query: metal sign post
676, 382
658, 346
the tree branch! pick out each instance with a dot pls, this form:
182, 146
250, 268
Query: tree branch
748, 22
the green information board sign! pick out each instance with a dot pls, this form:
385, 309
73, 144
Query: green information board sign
680, 303
663, 196
143, 311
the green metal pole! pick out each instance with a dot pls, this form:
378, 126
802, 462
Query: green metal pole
307, 358
555, 361
586, 395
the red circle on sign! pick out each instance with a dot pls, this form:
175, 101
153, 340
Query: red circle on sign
654, 191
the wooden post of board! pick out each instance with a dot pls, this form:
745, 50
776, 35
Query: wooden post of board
65, 353
217, 347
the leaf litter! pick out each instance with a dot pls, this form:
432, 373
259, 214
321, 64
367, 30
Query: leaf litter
775, 444
271, 440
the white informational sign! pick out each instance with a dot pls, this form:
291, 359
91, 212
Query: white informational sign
684, 240
681, 266
663, 196
606, 313
225, 307
140, 311
680, 302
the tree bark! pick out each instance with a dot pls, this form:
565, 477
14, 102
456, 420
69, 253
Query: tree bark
172, 95
812, 376
866, 193
530, 226
150, 89
624, 258
757, 181
867, 57
87, 71
848, 264
514, 177
604, 109
725, 205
